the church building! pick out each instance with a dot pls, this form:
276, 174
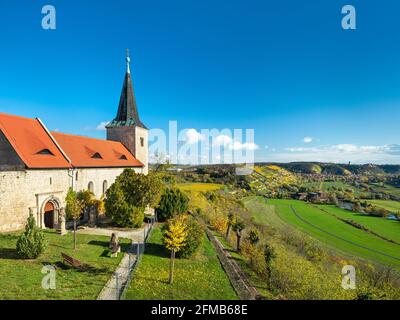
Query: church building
37, 167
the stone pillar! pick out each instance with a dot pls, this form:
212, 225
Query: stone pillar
92, 216
62, 230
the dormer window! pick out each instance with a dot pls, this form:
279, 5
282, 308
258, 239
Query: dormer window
46, 152
97, 156
123, 157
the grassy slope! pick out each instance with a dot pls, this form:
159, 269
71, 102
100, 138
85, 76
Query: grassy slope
330, 224
393, 206
199, 186
388, 189
389, 229
21, 279
338, 228
200, 277
328, 185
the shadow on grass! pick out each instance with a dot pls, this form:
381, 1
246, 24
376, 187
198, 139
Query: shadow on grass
85, 268
9, 253
157, 250
105, 244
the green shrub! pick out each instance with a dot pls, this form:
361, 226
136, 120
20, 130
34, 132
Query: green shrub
254, 236
32, 242
172, 202
121, 212
194, 237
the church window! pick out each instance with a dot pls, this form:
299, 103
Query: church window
123, 157
91, 187
51, 181
105, 186
45, 151
142, 142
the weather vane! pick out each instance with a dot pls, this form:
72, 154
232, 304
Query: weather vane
128, 60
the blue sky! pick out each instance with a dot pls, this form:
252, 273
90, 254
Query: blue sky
287, 69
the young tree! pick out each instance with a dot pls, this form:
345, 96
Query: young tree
74, 209
174, 237
269, 255
238, 227
32, 242
173, 202
254, 236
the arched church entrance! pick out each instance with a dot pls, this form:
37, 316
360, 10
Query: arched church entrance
49, 211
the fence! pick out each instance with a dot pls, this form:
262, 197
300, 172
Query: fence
134, 257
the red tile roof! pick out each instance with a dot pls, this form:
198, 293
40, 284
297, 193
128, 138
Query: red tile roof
28, 138
39, 148
87, 152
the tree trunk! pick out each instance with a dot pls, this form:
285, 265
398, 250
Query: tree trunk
74, 234
238, 237
228, 231
171, 267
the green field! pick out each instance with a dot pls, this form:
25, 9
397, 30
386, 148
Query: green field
330, 230
329, 186
386, 189
21, 279
199, 277
392, 206
389, 229
199, 186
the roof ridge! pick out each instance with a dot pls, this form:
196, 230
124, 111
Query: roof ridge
81, 136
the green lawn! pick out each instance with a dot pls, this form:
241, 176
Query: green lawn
392, 206
199, 186
329, 230
21, 279
199, 277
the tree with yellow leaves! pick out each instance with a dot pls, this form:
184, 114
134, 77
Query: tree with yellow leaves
174, 237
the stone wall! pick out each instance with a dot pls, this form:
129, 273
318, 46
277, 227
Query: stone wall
82, 178
9, 159
132, 138
30, 189
23, 190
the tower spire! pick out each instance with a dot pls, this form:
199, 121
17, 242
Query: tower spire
128, 60
127, 114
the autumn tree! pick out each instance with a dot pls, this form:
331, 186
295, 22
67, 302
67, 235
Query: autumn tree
269, 255
74, 209
174, 237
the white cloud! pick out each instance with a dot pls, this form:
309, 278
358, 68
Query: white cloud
102, 125
308, 139
228, 142
222, 140
193, 136
340, 153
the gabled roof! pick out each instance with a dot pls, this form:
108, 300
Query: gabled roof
32, 142
87, 152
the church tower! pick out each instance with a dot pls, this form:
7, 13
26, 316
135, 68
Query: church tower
127, 127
